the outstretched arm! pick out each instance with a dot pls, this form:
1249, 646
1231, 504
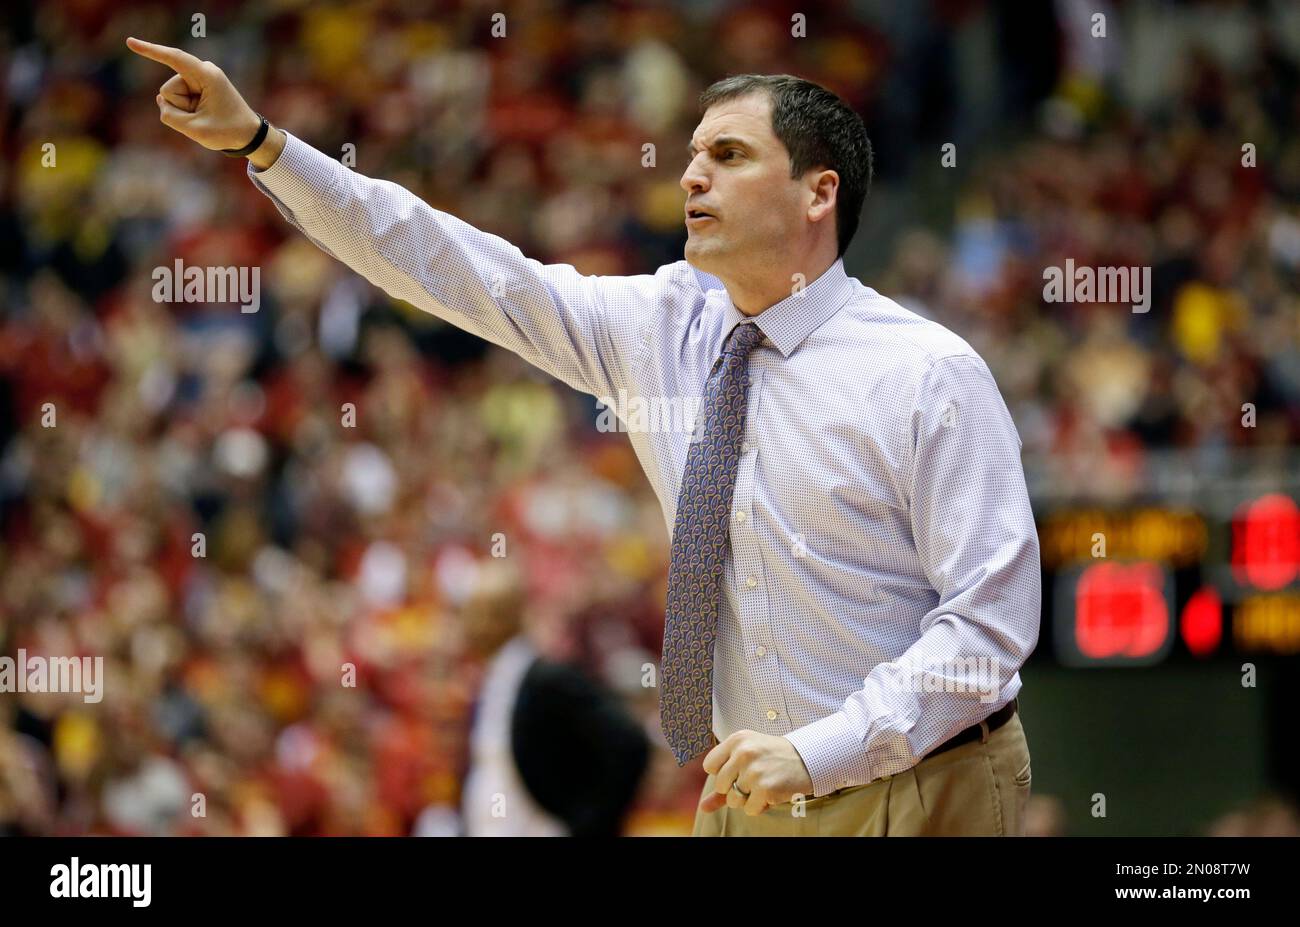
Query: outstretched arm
587, 331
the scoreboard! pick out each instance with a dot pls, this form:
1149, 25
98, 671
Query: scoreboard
1139, 585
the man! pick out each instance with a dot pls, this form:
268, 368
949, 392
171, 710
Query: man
538, 724
854, 573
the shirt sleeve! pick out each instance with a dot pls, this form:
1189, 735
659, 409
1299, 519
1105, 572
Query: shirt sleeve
587, 331
975, 534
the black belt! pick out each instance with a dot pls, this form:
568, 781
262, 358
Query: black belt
975, 731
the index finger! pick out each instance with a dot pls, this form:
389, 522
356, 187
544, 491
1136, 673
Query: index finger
180, 61
719, 755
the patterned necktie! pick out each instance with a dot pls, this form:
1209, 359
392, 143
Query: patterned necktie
700, 539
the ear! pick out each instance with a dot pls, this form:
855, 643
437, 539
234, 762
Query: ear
824, 187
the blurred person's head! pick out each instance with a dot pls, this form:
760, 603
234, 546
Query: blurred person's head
493, 612
1044, 816
779, 168
1269, 816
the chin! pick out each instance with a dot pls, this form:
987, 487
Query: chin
700, 256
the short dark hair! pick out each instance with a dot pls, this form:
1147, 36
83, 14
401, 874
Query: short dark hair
818, 129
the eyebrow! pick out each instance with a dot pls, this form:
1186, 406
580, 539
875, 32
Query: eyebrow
720, 141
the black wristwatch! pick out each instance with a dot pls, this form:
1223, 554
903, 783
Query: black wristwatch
251, 146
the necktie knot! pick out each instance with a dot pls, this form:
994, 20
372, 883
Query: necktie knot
743, 339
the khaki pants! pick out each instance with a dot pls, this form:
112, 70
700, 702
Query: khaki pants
977, 789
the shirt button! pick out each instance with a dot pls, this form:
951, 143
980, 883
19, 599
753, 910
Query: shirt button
740, 517
751, 582
747, 446
771, 714
761, 650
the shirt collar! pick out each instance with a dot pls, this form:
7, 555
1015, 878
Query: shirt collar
788, 323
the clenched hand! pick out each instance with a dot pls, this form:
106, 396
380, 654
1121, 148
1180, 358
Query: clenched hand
768, 768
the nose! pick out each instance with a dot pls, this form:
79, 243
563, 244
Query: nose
694, 179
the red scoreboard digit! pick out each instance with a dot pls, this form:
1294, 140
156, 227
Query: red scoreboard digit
1115, 613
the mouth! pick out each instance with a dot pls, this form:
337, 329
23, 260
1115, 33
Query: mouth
695, 217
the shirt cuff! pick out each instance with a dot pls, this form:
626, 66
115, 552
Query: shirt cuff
833, 752
300, 177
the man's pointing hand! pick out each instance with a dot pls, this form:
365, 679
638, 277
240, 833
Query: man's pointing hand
199, 101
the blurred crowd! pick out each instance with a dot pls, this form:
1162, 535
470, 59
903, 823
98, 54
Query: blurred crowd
276, 527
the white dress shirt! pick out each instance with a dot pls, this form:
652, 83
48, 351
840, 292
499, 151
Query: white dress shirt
882, 587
